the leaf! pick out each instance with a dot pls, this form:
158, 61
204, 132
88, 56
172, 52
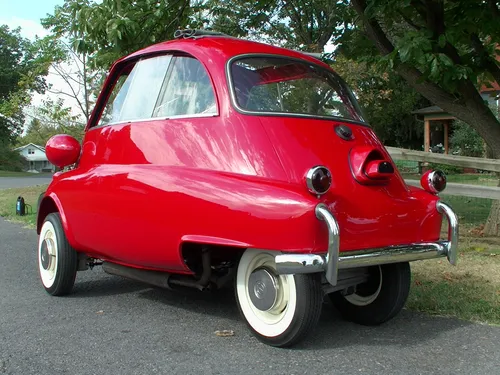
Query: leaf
224, 333
442, 40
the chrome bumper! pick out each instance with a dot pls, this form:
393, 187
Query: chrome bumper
334, 260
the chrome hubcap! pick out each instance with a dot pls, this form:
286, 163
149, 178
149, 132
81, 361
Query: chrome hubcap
46, 257
263, 289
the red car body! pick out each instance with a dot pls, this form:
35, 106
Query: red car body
143, 190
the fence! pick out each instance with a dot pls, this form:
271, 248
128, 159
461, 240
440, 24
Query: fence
470, 194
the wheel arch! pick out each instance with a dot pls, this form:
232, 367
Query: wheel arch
50, 204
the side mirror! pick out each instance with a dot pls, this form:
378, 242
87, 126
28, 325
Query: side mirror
62, 150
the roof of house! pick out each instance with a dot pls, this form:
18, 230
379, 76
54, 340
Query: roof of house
428, 110
32, 145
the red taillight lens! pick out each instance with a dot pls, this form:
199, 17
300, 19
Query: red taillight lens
433, 181
318, 180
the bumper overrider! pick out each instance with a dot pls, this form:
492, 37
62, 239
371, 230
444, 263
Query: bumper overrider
335, 260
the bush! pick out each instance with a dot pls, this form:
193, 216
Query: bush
466, 141
448, 169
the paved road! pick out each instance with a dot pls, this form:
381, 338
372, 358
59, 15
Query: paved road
115, 326
16, 182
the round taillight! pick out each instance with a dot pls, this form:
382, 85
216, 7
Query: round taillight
433, 181
318, 180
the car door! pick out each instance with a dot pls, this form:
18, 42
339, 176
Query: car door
108, 155
142, 155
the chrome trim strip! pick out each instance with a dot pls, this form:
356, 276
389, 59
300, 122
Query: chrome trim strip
392, 254
452, 244
332, 257
150, 119
306, 263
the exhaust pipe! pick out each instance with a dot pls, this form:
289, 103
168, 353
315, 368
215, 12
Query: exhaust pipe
163, 279
156, 278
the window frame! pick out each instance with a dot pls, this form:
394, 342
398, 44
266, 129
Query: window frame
123, 66
243, 111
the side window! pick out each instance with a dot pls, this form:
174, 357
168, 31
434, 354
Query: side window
135, 94
188, 90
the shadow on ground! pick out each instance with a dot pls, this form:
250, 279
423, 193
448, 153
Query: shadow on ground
405, 330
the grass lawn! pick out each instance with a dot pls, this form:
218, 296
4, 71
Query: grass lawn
8, 198
470, 290
19, 174
470, 210
465, 178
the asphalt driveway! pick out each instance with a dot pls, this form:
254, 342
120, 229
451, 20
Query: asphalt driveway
114, 326
17, 182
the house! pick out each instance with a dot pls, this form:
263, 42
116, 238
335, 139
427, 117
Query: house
36, 159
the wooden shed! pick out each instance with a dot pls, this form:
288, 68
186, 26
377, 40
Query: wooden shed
437, 126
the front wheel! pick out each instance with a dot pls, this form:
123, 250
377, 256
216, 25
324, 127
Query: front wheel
380, 298
57, 260
279, 309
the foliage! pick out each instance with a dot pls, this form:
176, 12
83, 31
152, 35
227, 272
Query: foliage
49, 119
10, 160
387, 101
80, 83
306, 25
445, 50
22, 71
106, 30
466, 141
446, 168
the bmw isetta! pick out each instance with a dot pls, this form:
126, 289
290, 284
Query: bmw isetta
210, 160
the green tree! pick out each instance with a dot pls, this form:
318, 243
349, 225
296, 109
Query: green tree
108, 29
443, 49
22, 72
387, 102
305, 25
49, 119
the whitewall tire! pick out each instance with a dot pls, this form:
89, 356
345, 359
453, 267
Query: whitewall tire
57, 260
280, 310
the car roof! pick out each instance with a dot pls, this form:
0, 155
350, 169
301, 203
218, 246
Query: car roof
221, 46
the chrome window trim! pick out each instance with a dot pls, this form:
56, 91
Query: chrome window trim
235, 105
172, 54
201, 115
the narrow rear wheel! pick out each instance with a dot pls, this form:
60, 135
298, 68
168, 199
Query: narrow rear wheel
380, 298
280, 310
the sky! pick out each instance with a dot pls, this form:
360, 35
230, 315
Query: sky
27, 15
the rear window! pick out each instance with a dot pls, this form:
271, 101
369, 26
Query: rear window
278, 85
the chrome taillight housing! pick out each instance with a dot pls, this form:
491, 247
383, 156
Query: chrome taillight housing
318, 180
433, 181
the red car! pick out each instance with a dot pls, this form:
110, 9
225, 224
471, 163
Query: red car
210, 160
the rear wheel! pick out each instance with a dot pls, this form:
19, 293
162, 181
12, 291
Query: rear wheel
57, 260
380, 298
280, 310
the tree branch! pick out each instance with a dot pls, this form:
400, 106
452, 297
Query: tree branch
486, 60
412, 75
409, 21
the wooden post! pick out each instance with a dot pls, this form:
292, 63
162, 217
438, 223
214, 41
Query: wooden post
446, 125
427, 135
